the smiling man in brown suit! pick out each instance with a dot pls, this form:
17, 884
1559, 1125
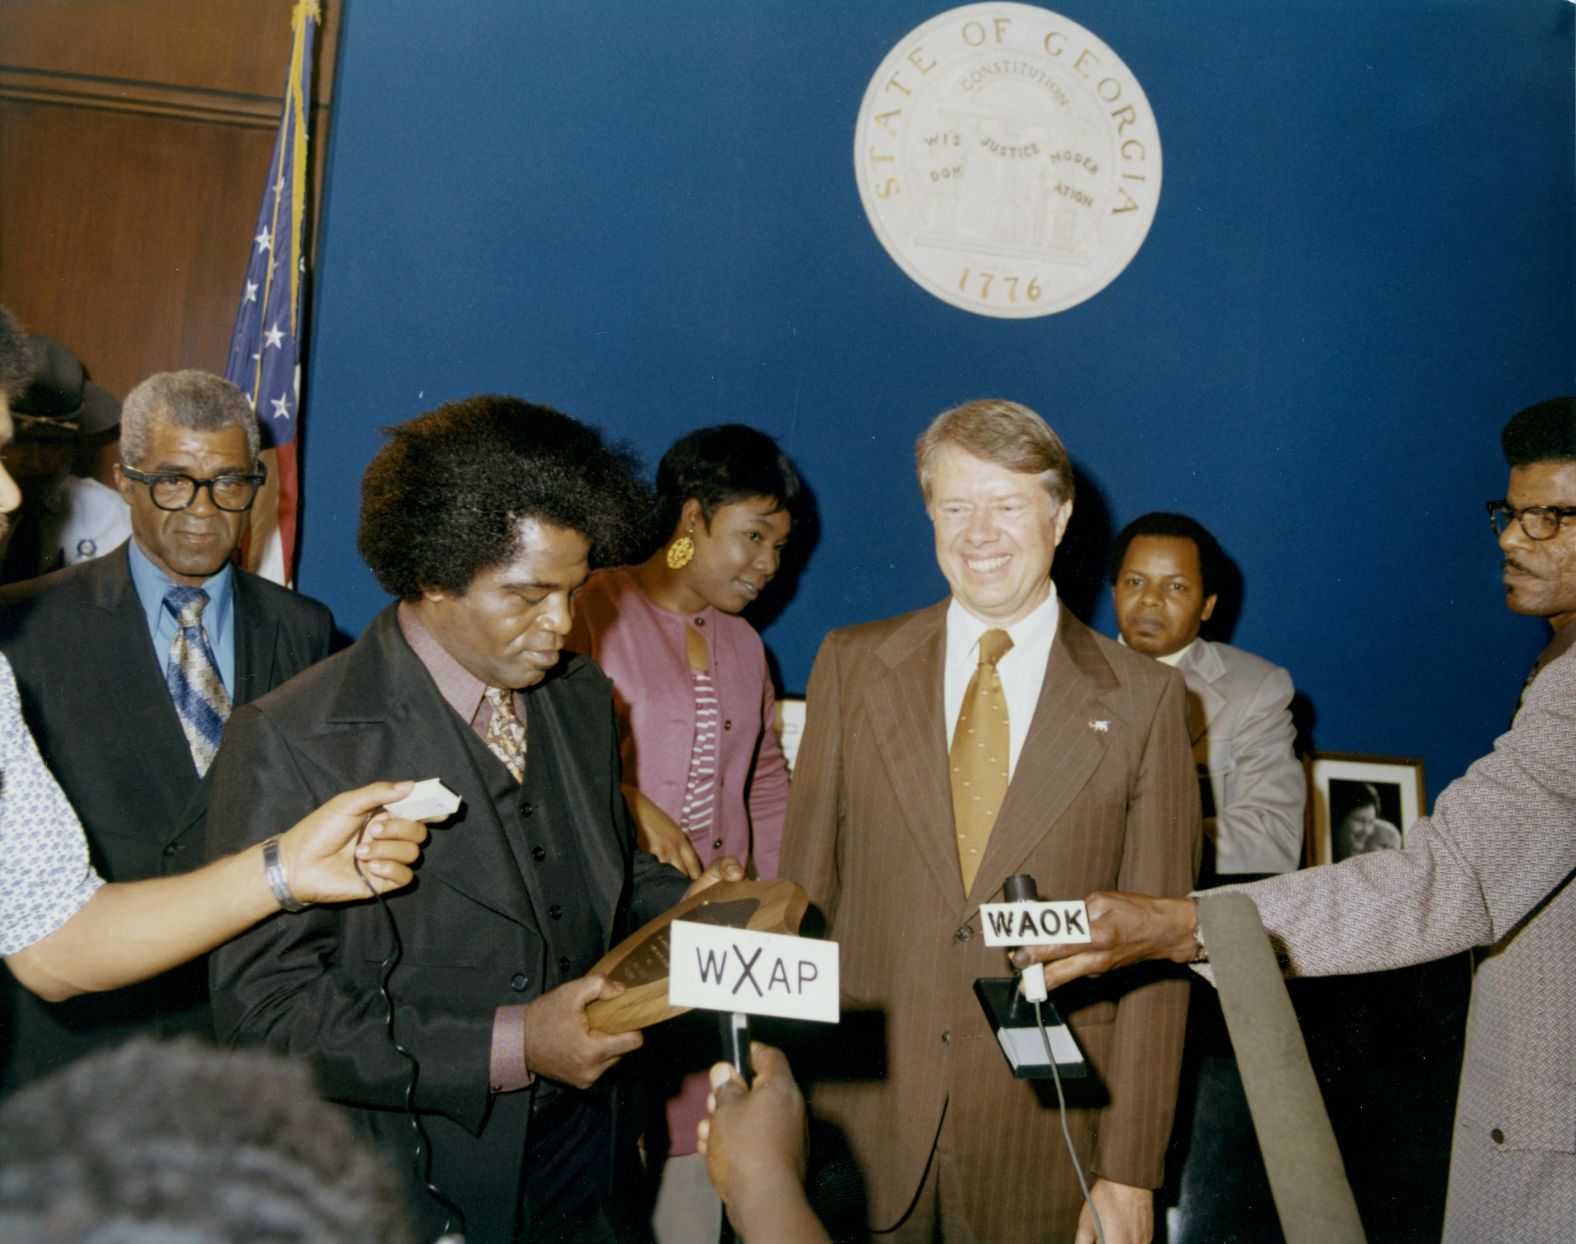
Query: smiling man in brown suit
894, 832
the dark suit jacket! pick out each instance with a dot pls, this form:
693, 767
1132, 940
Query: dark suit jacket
1103, 797
470, 926
95, 699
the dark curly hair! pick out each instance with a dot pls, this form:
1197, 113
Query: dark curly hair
160, 1141
444, 498
1211, 560
718, 466
1545, 432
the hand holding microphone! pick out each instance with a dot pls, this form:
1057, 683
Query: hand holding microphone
1020, 888
1026, 1024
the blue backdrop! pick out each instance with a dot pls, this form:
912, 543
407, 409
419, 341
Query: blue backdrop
647, 216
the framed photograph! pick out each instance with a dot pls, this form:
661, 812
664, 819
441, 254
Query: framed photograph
790, 725
1358, 804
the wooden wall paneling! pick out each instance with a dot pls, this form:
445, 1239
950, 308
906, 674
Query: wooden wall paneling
130, 249
233, 47
129, 205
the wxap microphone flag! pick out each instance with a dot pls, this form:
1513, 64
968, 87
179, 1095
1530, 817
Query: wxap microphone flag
265, 350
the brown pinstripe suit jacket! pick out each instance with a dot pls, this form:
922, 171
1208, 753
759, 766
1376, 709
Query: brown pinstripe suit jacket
870, 836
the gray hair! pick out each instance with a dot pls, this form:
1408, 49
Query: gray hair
1005, 433
194, 400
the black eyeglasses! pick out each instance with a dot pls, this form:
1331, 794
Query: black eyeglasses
1540, 522
170, 491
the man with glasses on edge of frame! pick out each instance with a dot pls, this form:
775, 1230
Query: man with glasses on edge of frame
1492, 869
128, 667
1539, 546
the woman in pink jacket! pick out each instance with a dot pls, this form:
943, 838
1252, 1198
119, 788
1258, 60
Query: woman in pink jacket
703, 772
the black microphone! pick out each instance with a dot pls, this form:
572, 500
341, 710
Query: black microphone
736, 1043
1020, 888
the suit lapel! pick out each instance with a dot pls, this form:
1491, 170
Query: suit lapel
550, 709
387, 712
1067, 739
137, 695
1202, 667
255, 636
908, 713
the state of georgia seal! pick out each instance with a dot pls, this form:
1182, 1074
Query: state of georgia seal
1008, 160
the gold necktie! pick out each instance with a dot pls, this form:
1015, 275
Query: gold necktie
506, 732
980, 751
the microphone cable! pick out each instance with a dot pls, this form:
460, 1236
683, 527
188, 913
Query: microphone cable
421, 1158
1061, 1101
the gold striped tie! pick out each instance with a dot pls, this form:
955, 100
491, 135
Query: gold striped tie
980, 751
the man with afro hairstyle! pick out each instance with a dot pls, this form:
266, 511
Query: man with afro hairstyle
482, 518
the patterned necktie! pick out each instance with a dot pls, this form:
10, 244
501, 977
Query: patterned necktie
192, 676
506, 732
980, 751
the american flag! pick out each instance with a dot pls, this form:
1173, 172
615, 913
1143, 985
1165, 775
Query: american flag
265, 350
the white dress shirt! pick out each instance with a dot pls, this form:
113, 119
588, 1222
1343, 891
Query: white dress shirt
84, 520
1022, 669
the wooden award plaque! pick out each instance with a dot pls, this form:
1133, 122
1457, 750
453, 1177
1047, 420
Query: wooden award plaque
640, 961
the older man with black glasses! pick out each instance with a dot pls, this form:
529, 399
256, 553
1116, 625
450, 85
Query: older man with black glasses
128, 667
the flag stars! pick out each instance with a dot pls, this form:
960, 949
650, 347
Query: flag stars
251, 292
264, 240
274, 338
281, 405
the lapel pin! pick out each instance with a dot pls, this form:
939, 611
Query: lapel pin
1100, 726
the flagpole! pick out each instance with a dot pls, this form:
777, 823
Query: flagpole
265, 348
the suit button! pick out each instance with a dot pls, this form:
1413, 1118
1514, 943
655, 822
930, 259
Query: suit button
1497, 1136
964, 933
717, 845
171, 849
727, 725
556, 912
538, 854
563, 965
519, 981
946, 1038
526, 809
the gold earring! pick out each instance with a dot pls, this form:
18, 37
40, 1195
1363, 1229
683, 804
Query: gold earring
680, 552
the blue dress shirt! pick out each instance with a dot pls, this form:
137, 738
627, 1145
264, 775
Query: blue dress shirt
218, 619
